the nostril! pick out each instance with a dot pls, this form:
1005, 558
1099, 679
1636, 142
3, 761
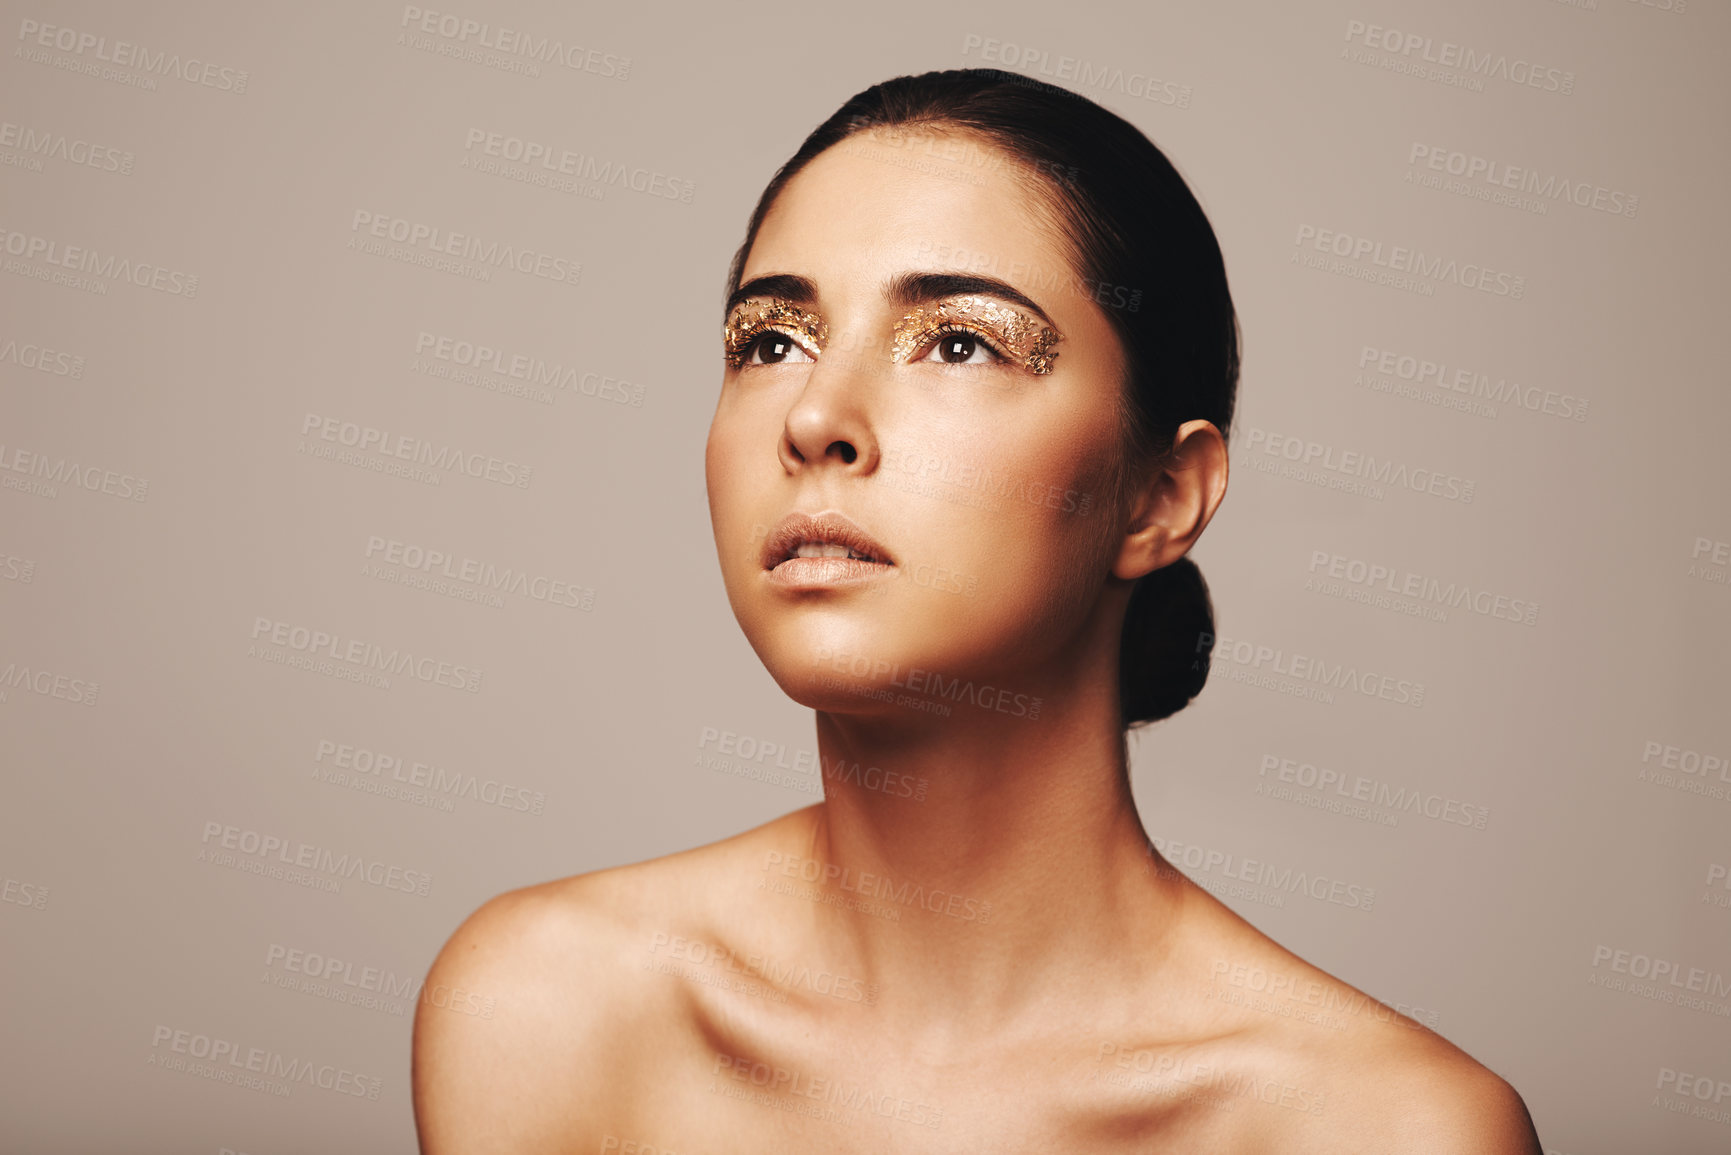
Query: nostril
848, 453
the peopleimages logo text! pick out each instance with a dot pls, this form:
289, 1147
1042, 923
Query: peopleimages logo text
33, 33
1416, 262
1468, 60
515, 42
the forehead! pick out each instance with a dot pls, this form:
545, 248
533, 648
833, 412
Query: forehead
879, 204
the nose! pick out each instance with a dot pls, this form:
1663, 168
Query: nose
829, 422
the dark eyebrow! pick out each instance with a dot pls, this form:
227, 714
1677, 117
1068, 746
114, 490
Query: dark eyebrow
909, 289
793, 289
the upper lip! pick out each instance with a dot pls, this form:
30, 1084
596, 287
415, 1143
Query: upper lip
824, 527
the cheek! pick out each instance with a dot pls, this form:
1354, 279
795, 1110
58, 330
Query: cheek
744, 477
1059, 557
735, 442
1054, 534
1025, 550
728, 482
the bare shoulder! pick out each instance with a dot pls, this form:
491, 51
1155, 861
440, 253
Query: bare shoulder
1353, 1073
535, 1015
514, 1020
1364, 1077
1405, 1088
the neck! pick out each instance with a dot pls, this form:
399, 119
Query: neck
984, 857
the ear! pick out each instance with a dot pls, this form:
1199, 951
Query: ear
1175, 502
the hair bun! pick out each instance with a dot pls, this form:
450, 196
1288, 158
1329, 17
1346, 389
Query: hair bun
1168, 637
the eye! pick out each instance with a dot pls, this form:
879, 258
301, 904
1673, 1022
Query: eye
954, 345
771, 347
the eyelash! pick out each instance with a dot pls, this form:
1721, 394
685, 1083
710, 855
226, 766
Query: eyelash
951, 329
754, 336
927, 340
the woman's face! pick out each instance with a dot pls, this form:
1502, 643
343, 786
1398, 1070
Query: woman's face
911, 352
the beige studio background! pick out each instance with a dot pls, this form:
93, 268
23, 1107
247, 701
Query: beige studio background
345, 583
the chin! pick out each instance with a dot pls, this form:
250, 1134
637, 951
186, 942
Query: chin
814, 684
835, 659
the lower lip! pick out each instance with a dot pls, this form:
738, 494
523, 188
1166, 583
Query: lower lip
825, 572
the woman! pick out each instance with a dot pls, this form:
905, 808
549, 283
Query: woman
980, 361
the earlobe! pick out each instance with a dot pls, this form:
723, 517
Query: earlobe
1176, 502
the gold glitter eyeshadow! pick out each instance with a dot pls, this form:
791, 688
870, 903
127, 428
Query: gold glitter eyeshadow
752, 317
1021, 336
